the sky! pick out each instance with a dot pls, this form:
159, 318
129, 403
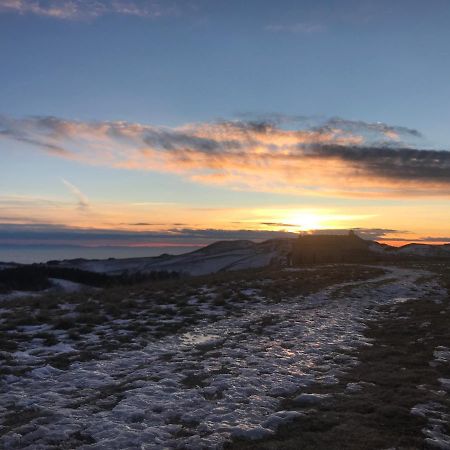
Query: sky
157, 124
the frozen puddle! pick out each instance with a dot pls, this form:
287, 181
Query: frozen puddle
201, 341
200, 389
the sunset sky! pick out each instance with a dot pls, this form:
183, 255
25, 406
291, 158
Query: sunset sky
161, 124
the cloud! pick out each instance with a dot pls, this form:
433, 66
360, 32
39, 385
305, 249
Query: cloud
377, 126
365, 233
51, 234
372, 234
435, 239
420, 240
334, 157
279, 224
299, 27
83, 201
88, 9
142, 224
9, 129
5, 219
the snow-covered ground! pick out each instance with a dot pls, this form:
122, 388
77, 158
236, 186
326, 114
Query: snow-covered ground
66, 285
223, 255
201, 388
436, 414
20, 294
58, 286
413, 250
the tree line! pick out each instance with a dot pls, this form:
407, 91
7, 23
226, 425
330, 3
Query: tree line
36, 277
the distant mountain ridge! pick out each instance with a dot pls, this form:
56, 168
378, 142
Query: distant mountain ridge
414, 249
244, 254
219, 256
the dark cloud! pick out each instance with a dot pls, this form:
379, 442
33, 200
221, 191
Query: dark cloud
152, 224
172, 141
218, 234
435, 239
374, 234
142, 224
277, 119
371, 234
361, 126
366, 233
17, 219
279, 224
394, 163
319, 123
421, 240
57, 234
85, 236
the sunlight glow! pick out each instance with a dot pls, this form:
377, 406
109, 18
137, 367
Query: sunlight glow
305, 221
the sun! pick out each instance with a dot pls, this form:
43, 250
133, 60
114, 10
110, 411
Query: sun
305, 221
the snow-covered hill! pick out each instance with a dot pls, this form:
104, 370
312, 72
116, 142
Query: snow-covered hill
220, 256
243, 254
430, 251
7, 265
239, 255
413, 250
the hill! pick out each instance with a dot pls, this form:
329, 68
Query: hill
219, 256
312, 248
244, 254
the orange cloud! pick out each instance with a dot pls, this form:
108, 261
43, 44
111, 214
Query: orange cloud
338, 158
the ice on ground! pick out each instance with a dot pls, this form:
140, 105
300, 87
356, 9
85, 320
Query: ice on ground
437, 415
58, 285
281, 418
19, 294
202, 341
445, 383
307, 400
441, 354
357, 387
200, 389
438, 419
66, 285
44, 372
